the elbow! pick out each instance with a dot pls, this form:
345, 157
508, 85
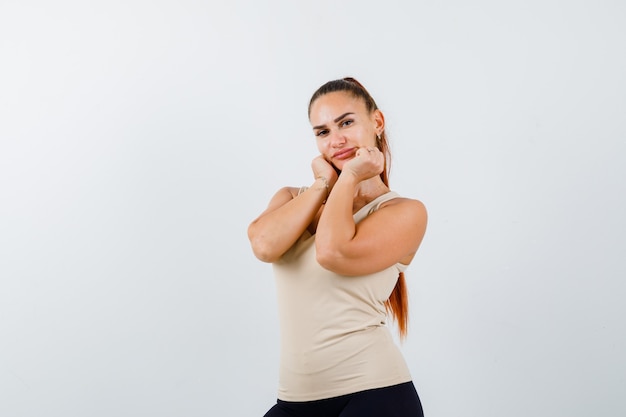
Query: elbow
261, 248
337, 261
328, 258
264, 254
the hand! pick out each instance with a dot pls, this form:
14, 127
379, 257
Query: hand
368, 162
322, 168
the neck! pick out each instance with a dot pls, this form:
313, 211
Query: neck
369, 190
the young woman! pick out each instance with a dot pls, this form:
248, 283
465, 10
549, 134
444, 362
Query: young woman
339, 248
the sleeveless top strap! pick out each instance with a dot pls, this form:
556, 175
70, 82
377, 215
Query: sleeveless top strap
374, 205
382, 199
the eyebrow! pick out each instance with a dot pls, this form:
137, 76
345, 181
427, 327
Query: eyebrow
336, 120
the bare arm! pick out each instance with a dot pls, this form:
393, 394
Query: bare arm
288, 215
390, 235
285, 219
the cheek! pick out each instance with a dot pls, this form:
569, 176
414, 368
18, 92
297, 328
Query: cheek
321, 145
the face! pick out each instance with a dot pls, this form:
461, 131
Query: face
342, 124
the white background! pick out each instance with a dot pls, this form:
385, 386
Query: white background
139, 138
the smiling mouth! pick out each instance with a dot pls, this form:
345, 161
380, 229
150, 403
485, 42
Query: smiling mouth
343, 154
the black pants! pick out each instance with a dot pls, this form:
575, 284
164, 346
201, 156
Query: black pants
394, 401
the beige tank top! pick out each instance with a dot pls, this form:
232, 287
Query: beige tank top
334, 338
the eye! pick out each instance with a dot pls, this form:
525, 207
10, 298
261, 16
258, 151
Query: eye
322, 132
347, 122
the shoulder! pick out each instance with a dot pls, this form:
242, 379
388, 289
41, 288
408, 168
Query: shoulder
287, 192
399, 214
280, 197
410, 218
407, 213
404, 204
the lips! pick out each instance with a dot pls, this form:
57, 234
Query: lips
344, 153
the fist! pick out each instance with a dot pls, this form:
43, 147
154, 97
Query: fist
322, 168
367, 163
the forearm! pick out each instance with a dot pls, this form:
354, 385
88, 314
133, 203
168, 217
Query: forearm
277, 229
336, 226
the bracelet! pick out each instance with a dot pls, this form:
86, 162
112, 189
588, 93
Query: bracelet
325, 185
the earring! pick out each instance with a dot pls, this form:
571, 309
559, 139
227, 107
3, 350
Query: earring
378, 137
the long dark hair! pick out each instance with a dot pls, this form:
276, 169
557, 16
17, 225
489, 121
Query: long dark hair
398, 302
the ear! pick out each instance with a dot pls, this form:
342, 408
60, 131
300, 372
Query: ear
379, 121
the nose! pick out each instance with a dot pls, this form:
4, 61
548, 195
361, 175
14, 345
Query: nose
337, 139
